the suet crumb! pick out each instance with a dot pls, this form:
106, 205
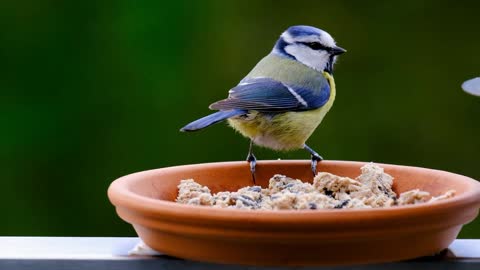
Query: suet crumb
371, 189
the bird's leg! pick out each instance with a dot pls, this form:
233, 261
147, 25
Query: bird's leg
252, 160
315, 158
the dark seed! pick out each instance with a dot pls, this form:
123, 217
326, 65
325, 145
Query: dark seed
342, 204
384, 190
312, 205
328, 192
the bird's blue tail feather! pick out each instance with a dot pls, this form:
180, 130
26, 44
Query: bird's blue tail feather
211, 119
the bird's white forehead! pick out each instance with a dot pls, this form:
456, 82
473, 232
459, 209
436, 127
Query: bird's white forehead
322, 37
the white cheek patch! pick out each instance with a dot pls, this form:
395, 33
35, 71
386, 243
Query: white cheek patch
315, 59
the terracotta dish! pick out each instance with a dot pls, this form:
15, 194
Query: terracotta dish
292, 237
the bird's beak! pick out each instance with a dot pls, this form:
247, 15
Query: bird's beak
337, 50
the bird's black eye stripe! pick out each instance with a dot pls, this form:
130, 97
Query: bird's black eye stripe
315, 46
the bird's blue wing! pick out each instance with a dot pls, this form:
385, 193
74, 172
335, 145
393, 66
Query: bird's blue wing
265, 94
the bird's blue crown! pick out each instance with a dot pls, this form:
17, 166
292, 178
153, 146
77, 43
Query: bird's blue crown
303, 30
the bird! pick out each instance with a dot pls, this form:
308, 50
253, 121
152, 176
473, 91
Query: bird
283, 99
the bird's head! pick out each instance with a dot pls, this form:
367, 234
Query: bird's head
310, 46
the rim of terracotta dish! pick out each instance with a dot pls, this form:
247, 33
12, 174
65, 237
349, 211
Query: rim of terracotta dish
121, 196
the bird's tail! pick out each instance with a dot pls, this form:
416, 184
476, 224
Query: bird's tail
211, 119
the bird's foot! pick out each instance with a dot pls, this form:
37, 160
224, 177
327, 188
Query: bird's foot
315, 159
252, 160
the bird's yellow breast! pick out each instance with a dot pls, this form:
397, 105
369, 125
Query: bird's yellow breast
284, 131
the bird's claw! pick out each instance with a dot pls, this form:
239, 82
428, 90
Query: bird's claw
315, 159
252, 160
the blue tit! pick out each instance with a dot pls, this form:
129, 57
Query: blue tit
284, 98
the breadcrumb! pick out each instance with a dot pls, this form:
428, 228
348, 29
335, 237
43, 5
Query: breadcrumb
371, 189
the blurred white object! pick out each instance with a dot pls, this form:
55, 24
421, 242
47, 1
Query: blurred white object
472, 86
141, 249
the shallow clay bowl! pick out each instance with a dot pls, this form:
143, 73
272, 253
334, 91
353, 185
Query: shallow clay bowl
288, 237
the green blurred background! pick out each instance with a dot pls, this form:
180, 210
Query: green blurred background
93, 90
